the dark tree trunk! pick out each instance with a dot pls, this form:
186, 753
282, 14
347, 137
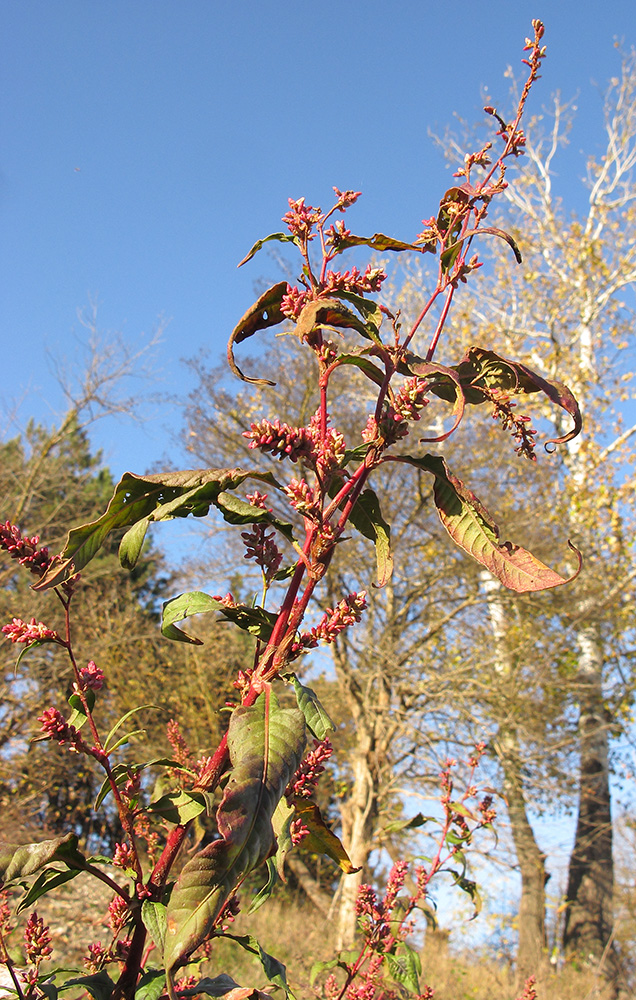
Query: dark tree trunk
588, 929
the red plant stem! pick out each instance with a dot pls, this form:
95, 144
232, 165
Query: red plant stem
440, 325
421, 317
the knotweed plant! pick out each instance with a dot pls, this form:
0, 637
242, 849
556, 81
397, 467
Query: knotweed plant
271, 756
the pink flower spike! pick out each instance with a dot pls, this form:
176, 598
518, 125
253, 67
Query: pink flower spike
24, 549
92, 677
346, 198
55, 727
37, 939
19, 631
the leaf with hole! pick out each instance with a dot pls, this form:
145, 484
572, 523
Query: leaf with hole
265, 312
157, 497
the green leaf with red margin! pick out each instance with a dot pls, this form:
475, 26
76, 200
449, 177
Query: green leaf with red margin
266, 744
439, 375
257, 621
472, 528
480, 369
321, 840
279, 237
157, 497
265, 312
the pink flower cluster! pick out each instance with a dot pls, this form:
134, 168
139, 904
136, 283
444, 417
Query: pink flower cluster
303, 498
293, 302
33, 631
298, 830
412, 397
123, 856
301, 219
355, 281
24, 549
117, 913
337, 234
519, 426
37, 939
346, 199
281, 440
262, 547
298, 443
335, 620
393, 424
303, 784
55, 727
92, 677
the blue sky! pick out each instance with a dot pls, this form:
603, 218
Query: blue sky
147, 144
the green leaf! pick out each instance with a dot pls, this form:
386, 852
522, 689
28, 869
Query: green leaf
480, 369
78, 716
316, 716
154, 497
154, 920
370, 370
274, 970
216, 987
121, 773
366, 516
25, 649
152, 983
100, 985
49, 879
409, 824
377, 242
470, 888
256, 621
265, 744
237, 511
265, 312
323, 966
266, 890
180, 807
321, 839
131, 544
405, 968
368, 309
281, 822
279, 237
107, 745
18, 861
472, 528
125, 740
